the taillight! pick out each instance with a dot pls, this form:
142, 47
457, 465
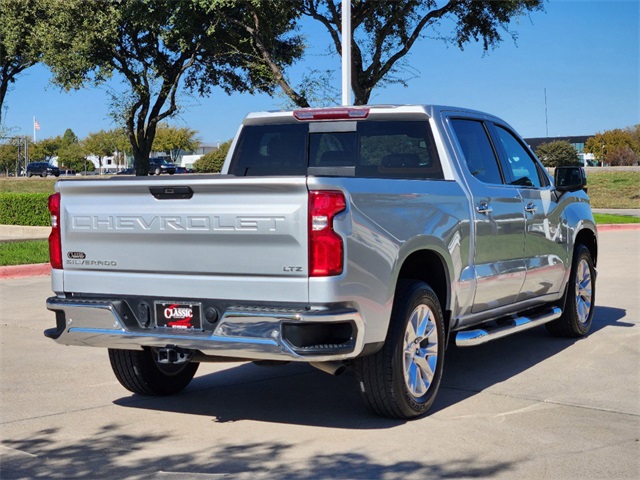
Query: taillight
326, 251
55, 241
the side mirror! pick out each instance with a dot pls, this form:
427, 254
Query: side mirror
570, 179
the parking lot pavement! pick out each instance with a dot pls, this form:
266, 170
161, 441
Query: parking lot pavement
528, 406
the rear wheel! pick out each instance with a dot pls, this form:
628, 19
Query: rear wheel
29, 174
158, 171
402, 379
139, 372
579, 303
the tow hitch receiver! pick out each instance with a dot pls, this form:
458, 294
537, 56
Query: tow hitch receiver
173, 355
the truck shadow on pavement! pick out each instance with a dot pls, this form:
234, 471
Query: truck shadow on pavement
301, 395
112, 453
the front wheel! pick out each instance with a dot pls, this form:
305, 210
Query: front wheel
139, 372
402, 379
577, 313
158, 171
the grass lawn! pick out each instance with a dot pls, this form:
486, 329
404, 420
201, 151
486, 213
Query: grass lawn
27, 185
24, 253
614, 189
603, 218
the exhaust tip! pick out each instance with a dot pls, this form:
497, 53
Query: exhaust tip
332, 368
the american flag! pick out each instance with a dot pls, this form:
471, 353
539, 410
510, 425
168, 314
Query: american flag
36, 124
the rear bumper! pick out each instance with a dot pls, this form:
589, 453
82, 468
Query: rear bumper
251, 333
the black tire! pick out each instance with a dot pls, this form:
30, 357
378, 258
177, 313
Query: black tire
381, 376
577, 313
29, 174
139, 372
158, 171
43, 174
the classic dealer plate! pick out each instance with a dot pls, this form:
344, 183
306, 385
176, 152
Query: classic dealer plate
179, 316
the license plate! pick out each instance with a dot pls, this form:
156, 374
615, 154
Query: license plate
178, 316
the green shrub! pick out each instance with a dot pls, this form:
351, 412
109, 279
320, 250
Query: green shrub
212, 162
29, 209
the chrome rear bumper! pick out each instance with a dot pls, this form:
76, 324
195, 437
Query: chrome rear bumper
244, 333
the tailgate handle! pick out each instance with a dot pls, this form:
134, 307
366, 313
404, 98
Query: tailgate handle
171, 193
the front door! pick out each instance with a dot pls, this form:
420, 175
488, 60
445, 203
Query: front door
545, 248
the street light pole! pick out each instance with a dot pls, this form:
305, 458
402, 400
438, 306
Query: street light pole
346, 52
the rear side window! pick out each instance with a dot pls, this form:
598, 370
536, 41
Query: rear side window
376, 149
398, 150
480, 157
271, 150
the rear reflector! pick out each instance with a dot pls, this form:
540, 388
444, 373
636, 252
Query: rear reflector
331, 114
326, 251
55, 241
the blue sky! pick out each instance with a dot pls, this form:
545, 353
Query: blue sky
584, 52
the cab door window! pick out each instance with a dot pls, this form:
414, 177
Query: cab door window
520, 168
477, 149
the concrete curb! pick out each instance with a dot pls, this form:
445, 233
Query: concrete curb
618, 226
20, 271
21, 232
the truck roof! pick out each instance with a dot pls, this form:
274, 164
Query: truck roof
352, 113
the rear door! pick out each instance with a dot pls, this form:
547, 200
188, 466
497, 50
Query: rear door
499, 223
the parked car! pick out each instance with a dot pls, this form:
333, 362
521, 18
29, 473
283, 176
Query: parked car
42, 168
158, 165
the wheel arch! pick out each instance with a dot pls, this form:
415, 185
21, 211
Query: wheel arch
588, 238
430, 267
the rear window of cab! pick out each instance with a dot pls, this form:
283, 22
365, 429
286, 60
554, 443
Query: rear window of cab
376, 149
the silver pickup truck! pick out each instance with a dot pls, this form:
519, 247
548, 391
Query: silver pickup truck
361, 237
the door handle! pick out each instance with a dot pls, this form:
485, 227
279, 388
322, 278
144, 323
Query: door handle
531, 207
484, 208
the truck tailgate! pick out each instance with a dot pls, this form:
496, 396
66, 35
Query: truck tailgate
135, 231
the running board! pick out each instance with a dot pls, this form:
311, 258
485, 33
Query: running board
471, 338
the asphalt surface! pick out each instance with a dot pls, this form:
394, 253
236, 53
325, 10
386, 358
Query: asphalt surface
528, 406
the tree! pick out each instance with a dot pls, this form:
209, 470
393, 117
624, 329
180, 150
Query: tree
557, 154
68, 137
19, 41
610, 140
212, 162
155, 46
74, 157
173, 139
101, 144
8, 157
621, 157
634, 133
45, 149
385, 32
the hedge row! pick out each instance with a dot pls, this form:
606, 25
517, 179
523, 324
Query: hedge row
29, 209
